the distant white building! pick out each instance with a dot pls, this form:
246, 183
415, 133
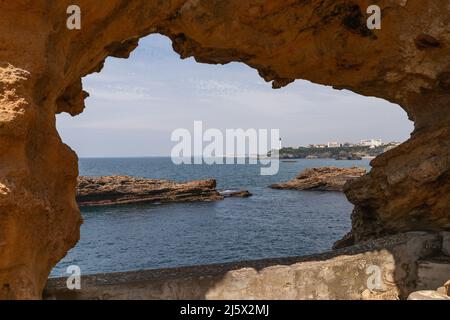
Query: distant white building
334, 144
371, 143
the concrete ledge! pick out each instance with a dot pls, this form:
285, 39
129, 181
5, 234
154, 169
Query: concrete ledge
382, 269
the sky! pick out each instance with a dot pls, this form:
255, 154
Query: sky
136, 104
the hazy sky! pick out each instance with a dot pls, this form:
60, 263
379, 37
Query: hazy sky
135, 104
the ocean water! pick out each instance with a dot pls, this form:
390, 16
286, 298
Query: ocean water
272, 223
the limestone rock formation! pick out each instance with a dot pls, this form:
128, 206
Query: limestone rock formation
323, 41
114, 190
322, 179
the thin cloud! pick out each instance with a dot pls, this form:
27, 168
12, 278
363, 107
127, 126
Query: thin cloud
149, 95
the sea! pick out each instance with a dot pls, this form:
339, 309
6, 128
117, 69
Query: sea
270, 224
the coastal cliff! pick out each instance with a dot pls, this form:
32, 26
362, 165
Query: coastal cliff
116, 190
322, 179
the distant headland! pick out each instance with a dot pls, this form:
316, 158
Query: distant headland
340, 151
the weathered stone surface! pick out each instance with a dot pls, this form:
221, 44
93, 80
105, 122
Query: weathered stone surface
113, 190
322, 179
380, 269
428, 295
324, 41
446, 243
387, 200
447, 287
433, 272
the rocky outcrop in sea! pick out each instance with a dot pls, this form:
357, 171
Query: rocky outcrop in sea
322, 179
236, 194
114, 190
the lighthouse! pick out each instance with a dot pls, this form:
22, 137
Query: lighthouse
281, 145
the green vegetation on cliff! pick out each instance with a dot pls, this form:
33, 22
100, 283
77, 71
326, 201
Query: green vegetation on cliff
355, 152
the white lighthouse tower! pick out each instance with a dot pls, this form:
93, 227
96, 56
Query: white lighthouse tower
281, 145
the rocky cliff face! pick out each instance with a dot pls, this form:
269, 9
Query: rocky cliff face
324, 41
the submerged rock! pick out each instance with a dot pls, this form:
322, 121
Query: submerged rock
322, 179
236, 194
114, 190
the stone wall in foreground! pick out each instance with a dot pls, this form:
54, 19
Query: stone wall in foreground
348, 273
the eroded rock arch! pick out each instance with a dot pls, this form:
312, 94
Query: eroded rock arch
324, 41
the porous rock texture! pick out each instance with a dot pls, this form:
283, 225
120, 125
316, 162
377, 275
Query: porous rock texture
322, 179
116, 190
324, 41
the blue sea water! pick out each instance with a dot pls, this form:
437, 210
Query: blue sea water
272, 223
